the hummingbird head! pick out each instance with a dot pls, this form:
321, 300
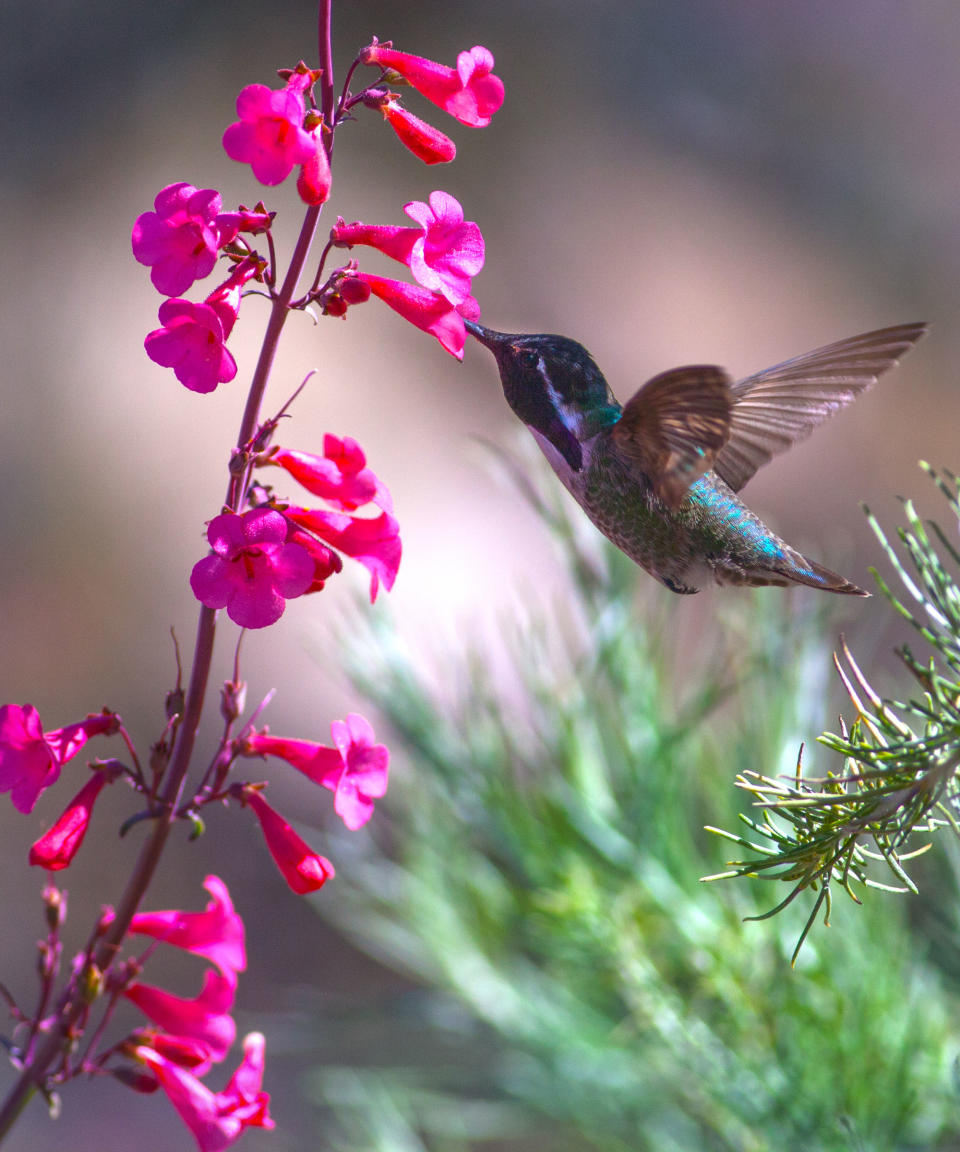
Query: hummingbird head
554, 385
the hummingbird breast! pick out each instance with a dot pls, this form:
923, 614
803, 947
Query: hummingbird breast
712, 535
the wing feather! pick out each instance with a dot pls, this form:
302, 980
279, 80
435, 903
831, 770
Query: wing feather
774, 409
674, 426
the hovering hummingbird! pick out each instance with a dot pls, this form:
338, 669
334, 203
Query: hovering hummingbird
659, 476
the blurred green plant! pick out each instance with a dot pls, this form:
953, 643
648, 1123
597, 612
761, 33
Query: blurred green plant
899, 773
540, 878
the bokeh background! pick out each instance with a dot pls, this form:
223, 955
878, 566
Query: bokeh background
667, 182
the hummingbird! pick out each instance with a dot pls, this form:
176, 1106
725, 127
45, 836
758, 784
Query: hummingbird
659, 476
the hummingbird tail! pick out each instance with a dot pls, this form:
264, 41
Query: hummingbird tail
793, 568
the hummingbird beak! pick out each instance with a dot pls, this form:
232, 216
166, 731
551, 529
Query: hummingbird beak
486, 336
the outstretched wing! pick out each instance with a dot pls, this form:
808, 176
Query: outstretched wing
778, 407
675, 425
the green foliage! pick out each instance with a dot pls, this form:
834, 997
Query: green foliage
899, 773
540, 878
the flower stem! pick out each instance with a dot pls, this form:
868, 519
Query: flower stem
73, 1004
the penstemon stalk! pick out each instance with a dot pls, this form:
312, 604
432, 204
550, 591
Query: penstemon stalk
265, 550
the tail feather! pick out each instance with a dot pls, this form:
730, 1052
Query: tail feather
792, 569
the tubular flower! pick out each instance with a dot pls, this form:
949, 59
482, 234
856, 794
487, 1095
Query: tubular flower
253, 571
56, 849
375, 543
426, 142
443, 253
315, 179
205, 1019
269, 136
180, 240
302, 868
340, 476
216, 1119
470, 92
425, 310
31, 759
314, 760
217, 933
355, 770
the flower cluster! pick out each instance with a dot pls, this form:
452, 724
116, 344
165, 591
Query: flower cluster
187, 1037
264, 551
443, 253
273, 553
179, 242
354, 769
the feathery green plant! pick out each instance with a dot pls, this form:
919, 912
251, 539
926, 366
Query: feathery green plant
540, 879
899, 774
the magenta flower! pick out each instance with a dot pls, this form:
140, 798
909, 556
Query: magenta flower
269, 135
253, 571
443, 254
192, 343
216, 1119
374, 543
361, 777
326, 562
205, 1019
31, 759
217, 934
56, 849
225, 298
425, 310
470, 92
181, 1050
340, 476
315, 180
180, 240
252, 220
355, 770
426, 142
315, 761
302, 868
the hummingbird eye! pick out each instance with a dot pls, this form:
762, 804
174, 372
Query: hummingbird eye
529, 357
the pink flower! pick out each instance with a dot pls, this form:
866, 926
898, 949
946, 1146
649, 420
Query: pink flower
340, 476
314, 760
326, 562
470, 93
56, 849
426, 142
216, 1119
302, 868
355, 770
315, 179
205, 1019
192, 343
375, 542
30, 759
425, 310
225, 299
181, 239
253, 571
252, 220
269, 135
217, 934
443, 253
362, 775
181, 1050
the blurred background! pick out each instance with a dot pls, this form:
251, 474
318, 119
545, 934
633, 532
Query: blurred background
666, 182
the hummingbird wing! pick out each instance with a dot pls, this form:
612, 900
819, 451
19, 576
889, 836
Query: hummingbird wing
776, 408
674, 426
